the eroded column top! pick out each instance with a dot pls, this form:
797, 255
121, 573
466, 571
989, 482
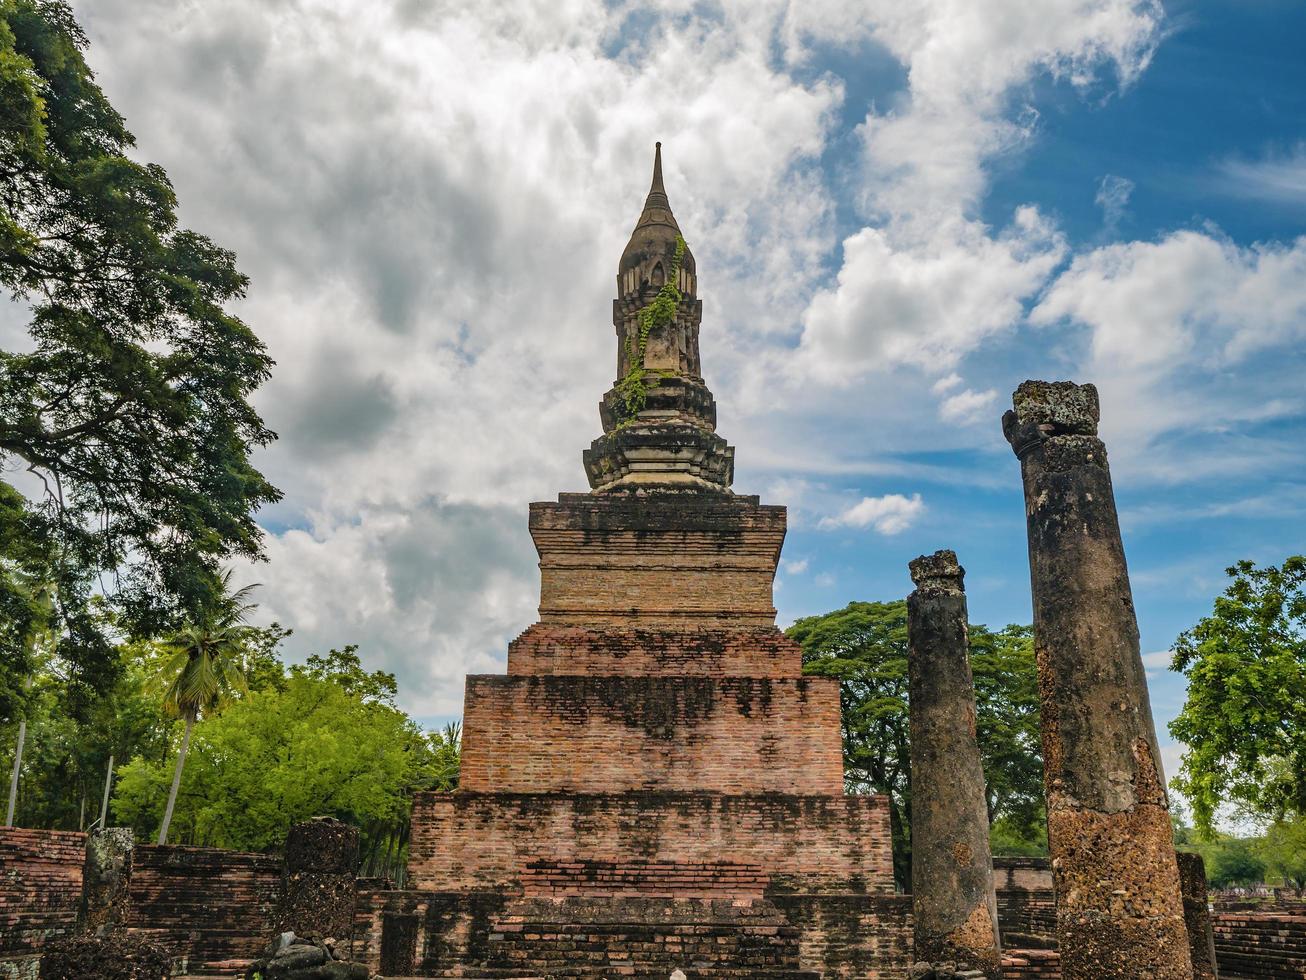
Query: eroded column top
939, 572
1044, 409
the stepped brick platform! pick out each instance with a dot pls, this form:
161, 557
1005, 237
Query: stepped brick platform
653, 785
1255, 946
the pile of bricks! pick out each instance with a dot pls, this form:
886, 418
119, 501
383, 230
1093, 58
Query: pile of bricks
1031, 964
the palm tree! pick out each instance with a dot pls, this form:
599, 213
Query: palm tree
206, 667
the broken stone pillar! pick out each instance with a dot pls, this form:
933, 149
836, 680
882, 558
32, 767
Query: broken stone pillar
953, 901
1197, 915
318, 887
106, 881
1119, 911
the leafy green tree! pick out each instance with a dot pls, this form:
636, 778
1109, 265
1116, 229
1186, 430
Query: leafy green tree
316, 745
1284, 851
1244, 720
864, 646
1233, 862
204, 669
129, 405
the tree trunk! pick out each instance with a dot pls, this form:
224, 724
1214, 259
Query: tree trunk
176, 782
18, 764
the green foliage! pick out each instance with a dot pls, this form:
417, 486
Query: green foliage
67, 753
659, 313
1235, 861
130, 403
1284, 852
315, 746
1244, 720
864, 646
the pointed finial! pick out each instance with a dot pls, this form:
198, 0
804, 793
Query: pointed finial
657, 169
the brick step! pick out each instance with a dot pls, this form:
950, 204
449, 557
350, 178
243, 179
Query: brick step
621, 973
635, 937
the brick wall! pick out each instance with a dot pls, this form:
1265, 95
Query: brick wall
1027, 913
851, 936
204, 904
687, 559
729, 735
481, 841
1259, 946
647, 879
201, 904
578, 650
40, 890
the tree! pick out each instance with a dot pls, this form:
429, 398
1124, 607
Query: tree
317, 744
205, 668
40, 600
1244, 719
864, 646
1234, 862
1284, 852
129, 405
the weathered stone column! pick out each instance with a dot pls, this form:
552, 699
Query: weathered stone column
318, 887
1119, 912
106, 881
951, 875
1197, 915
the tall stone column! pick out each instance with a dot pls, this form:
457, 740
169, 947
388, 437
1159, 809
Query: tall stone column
106, 881
1197, 914
1119, 911
953, 902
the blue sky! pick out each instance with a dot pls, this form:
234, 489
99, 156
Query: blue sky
900, 209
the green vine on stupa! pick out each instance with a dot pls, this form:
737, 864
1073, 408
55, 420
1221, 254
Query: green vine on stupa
661, 312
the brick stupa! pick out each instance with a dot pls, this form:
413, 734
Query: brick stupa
653, 784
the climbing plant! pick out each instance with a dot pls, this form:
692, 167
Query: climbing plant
661, 312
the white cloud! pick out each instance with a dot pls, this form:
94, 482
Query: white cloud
969, 407
1113, 194
928, 282
946, 384
1158, 662
924, 305
1279, 177
794, 567
891, 514
1190, 296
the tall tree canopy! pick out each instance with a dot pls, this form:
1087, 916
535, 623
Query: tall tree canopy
1244, 719
320, 738
864, 646
127, 411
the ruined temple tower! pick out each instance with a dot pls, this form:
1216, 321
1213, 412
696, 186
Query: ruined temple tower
652, 785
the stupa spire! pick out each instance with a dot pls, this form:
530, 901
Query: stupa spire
659, 418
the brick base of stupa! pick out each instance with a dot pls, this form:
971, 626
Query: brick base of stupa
653, 785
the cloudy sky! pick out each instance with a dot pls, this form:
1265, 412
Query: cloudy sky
900, 210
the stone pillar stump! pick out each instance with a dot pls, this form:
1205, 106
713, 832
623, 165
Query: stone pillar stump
956, 916
318, 888
106, 881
